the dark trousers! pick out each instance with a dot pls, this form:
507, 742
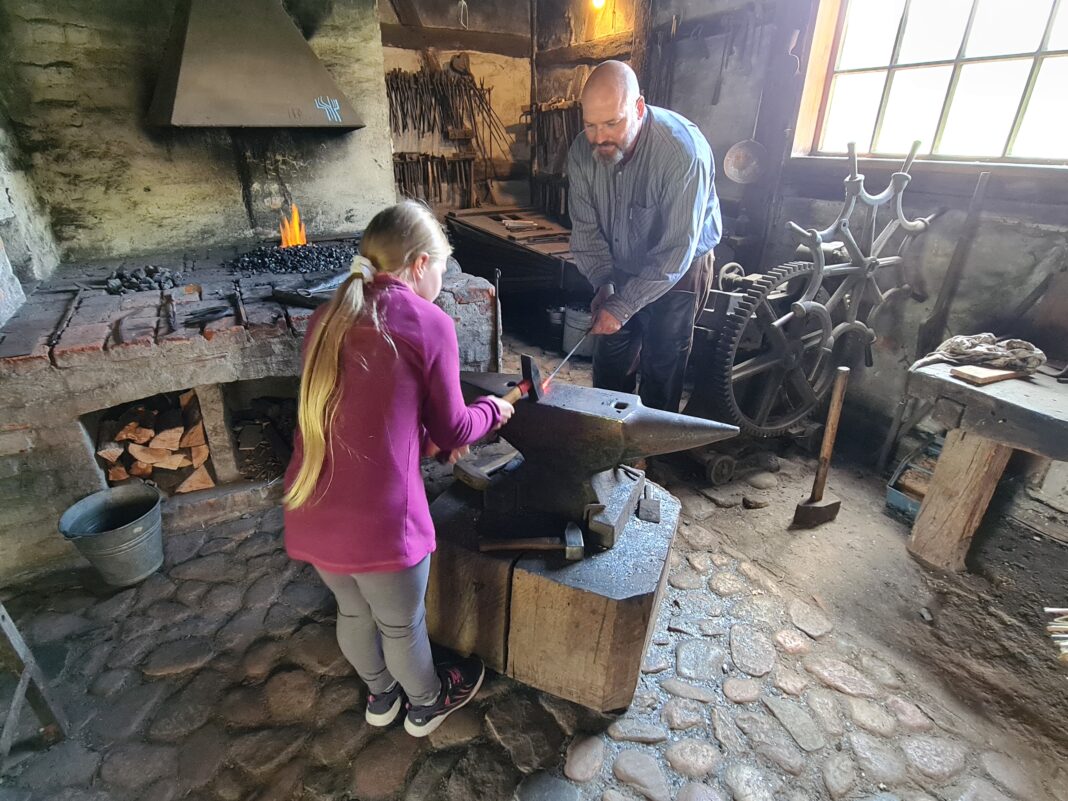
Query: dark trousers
655, 342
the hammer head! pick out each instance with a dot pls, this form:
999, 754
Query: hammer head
531, 376
810, 514
574, 543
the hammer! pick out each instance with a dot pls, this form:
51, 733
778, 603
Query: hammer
530, 385
573, 544
818, 509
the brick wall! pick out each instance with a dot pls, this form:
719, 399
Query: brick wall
77, 81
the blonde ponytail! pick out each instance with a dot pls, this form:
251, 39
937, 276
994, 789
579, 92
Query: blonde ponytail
392, 241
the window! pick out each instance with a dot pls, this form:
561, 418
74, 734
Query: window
971, 79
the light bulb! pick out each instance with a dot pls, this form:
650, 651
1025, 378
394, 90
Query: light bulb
598, 4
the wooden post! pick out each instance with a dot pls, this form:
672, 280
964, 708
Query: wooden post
964, 480
217, 429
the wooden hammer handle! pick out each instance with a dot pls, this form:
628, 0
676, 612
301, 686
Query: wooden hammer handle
529, 544
830, 433
517, 392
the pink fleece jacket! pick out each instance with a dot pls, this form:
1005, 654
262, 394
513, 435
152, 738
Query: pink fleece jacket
369, 512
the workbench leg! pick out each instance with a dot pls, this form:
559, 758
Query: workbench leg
964, 480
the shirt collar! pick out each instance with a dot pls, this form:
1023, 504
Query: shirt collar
639, 140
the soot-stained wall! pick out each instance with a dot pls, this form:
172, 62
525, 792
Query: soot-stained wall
81, 78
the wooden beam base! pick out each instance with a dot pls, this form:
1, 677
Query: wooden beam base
964, 480
578, 630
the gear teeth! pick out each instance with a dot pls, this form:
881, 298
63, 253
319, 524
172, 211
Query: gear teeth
720, 403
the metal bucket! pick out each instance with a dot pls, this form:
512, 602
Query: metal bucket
119, 531
576, 323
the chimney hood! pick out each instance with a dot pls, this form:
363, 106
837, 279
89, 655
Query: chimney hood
244, 63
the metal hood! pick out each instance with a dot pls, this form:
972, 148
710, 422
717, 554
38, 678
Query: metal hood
244, 63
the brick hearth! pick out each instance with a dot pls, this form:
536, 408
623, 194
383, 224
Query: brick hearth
115, 349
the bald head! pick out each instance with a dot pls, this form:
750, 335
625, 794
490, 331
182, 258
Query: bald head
611, 80
612, 111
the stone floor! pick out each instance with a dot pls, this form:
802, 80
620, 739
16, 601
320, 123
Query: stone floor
219, 678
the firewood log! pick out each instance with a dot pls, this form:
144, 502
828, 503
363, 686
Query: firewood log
138, 425
141, 469
169, 430
148, 455
194, 436
186, 398
200, 479
200, 454
175, 461
117, 472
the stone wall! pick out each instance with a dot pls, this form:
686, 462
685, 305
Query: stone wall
82, 77
562, 23
25, 226
11, 294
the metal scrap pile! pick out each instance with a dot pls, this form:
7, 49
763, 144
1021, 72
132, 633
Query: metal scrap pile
142, 279
296, 259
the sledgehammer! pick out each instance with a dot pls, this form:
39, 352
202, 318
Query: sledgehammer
530, 385
819, 509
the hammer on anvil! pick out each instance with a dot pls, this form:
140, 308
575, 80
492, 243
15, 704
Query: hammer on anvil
530, 385
573, 544
573, 441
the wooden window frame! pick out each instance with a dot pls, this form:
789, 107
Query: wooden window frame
823, 56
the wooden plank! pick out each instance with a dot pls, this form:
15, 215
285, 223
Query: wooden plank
408, 38
616, 45
217, 428
964, 480
981, 376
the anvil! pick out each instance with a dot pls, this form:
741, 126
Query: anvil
574, 441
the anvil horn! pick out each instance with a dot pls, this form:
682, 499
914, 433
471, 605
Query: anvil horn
651, 432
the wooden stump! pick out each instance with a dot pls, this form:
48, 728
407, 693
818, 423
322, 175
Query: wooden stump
964, 480
578, 630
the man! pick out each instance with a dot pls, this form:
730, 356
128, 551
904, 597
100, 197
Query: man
645, 218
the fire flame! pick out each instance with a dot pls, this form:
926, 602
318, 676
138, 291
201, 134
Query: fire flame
293, 231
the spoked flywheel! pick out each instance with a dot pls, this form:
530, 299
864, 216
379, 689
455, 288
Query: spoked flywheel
772, 362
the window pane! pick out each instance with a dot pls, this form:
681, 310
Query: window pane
983, 106
1003, 27
869, 33
1058, 38
851, 110
934, 30
913, 109
1042, 134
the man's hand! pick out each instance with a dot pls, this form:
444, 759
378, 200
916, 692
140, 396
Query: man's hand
603, 294
605, 323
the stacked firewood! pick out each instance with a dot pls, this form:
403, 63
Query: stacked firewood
161, 441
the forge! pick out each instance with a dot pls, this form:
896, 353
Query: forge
577, 629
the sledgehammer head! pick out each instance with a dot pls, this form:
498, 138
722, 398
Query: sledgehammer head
574, 543
531, 377
810, 513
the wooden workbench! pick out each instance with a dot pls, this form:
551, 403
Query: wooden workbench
986, 424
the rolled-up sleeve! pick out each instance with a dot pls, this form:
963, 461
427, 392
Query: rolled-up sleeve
682, 207
588, 244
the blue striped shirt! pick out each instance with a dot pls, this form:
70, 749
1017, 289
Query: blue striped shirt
640, 224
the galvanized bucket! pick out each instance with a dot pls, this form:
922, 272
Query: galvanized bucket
119, 531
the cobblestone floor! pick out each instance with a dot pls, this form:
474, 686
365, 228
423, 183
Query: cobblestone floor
219, 678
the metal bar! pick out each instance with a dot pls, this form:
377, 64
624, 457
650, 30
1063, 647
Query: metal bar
888, 82
940, 129
945, 62
1032, 79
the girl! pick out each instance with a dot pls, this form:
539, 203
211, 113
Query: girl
381, 385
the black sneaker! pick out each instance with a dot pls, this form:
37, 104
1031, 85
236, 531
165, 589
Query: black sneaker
459, 683
384, 708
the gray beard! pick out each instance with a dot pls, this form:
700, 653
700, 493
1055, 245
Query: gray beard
610, 161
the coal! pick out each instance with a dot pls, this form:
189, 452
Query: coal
318, 258
142, 279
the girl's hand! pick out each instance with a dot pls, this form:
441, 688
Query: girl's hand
506, 409
458, 454
430, 450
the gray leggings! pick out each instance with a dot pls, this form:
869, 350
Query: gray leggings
381, 628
